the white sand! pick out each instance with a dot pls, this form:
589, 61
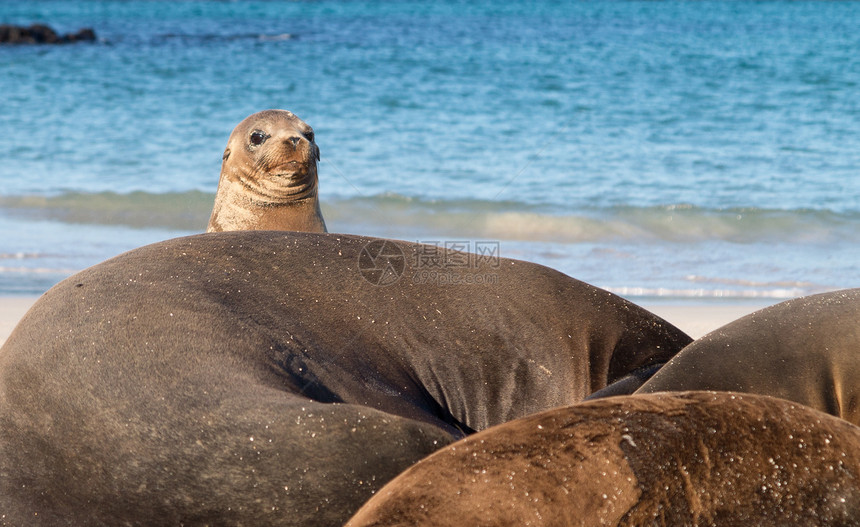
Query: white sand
12, 308
695, 319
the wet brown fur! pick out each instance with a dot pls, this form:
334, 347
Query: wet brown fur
691, 458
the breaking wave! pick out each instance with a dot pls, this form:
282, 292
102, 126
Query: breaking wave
506, 220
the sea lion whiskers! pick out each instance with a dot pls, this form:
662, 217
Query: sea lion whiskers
288, 161
279, 180
260, 197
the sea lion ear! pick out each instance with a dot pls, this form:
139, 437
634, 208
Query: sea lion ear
226, 155
316, 151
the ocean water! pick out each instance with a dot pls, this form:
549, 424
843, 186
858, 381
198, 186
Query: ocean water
663, 150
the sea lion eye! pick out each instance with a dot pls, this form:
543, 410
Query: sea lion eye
258, 137
310, 136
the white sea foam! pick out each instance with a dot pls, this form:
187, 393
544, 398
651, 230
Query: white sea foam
37, 270
469, 218
711, 294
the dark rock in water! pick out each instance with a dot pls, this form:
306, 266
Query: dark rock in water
41, 34
14, 34
83, 35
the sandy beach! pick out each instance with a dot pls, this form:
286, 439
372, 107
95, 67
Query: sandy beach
699, 319
695, 319
12, 308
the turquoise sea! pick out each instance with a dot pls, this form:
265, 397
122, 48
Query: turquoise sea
661, 149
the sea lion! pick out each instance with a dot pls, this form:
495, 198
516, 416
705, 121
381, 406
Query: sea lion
690, 458
269, 177
806, 350
180, 378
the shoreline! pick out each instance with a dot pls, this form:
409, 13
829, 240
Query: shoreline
696, 319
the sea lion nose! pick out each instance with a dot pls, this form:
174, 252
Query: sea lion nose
295, 140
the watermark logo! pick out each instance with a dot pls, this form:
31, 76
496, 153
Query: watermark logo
381, 262
437, 254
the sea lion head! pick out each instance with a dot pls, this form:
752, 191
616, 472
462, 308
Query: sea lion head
269, 176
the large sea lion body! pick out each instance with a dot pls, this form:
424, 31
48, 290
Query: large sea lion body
691, 458
191, 378
269, 177
806, 350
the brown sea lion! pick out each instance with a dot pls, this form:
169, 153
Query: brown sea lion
248, 375
269, 177
806, 350
689, 458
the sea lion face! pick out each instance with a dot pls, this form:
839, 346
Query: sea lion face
272, 154
269, 177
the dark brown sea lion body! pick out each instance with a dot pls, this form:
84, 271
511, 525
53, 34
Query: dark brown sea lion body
269, 177
806, 350
691, 458
191, 379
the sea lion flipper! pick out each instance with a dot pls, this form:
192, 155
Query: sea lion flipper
627, 384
